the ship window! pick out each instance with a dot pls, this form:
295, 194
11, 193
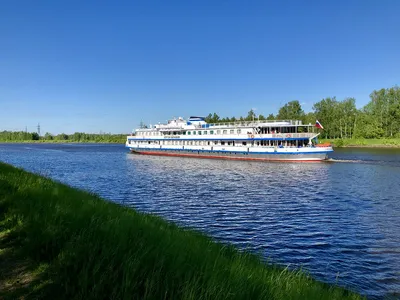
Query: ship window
244, 143
239, 131
224, 131
184, 132
189, 133
211, 131
232, 131
218, 131
199, 132
194, 132
205, 132
229, 143
222, 143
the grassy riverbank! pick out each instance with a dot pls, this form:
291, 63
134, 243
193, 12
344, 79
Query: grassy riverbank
373, 143
57, 242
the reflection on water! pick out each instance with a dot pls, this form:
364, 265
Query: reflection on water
339, 221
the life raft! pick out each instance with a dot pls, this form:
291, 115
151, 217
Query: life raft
324, 145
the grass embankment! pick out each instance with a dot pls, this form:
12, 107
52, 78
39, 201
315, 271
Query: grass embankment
383, 143
62, 243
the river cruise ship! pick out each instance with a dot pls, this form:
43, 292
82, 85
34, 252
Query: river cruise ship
243, 140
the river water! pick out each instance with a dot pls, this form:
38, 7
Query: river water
339, 221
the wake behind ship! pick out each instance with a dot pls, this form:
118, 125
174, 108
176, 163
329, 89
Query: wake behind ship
243, 140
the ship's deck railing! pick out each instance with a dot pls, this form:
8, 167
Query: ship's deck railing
255, 123
258, 122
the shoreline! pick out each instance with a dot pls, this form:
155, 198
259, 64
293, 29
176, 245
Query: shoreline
58, 241
370, 146
363, 143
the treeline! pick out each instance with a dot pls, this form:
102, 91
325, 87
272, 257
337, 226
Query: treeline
21, 136
340, 118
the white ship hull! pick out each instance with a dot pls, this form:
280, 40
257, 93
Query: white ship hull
244, 140
279, 154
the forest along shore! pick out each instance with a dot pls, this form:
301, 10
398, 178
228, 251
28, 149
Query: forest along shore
61, 242
364, 143
77, 137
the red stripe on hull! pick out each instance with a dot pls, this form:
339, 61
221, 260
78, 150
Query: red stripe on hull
224, 157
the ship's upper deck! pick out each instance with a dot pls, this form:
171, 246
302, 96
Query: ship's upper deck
199, 122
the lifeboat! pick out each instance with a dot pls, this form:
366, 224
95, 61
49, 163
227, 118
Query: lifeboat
324, 145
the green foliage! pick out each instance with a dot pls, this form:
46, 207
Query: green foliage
95, 249
291, 111
363, 142
212, 118
20, 136
339, 143
251, 115
271, 117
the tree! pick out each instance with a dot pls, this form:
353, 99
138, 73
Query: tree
35, 136
48, 136
309, 118
251, 115
291, 111
212, 118
327, 113
271, 117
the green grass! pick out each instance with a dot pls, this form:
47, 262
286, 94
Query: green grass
62, 243
383, 142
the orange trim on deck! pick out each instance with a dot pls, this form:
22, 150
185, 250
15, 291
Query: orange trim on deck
224, 157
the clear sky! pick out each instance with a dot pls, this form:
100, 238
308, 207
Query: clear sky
106, 65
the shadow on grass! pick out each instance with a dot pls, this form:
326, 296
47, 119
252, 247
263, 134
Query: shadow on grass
20, 276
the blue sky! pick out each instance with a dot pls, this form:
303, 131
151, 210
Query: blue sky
106, 65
